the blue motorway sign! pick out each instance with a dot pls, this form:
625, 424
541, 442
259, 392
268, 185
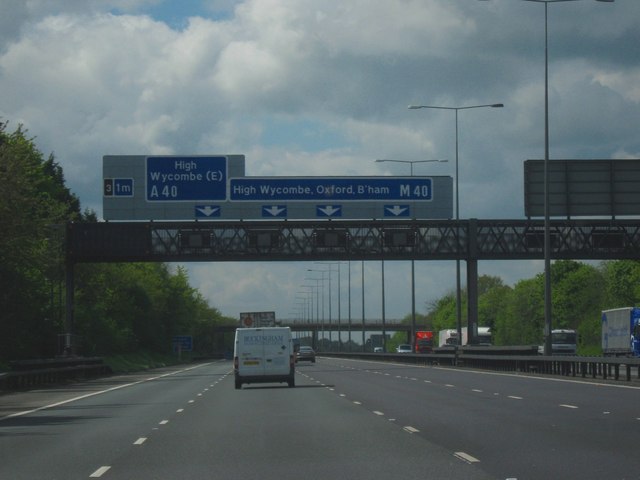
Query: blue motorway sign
330, 189
178, 179
182, 343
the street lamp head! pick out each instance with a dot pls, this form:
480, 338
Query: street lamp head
412, 161
466, 107
558, 1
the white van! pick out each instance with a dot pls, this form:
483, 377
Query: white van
263, 355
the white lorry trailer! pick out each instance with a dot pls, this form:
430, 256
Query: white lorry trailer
264, 355
449, 336
621, 331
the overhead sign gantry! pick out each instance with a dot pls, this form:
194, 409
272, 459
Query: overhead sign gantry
215, 187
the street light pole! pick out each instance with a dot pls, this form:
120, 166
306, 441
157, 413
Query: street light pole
316, 287
547, 227
458, 286
363, 316
323, 317
413, 263
330, 270
548, 322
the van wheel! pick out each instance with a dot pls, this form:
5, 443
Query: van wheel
291, 382
238, 384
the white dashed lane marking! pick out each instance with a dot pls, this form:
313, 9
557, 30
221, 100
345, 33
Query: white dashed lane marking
99, 472
466, 457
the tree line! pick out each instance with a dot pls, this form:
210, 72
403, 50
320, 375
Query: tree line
119, 308
580, 291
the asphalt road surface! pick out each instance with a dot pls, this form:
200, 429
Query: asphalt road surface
345, 419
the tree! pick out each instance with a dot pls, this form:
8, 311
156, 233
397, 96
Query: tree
622, 283
118, 307
492, 299
34, 200
520, 320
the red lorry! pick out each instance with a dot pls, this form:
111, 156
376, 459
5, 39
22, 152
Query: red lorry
424, 342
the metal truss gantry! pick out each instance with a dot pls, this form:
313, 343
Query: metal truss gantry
470, 240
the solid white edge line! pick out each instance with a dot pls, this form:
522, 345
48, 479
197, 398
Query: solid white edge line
100, 392
502, 374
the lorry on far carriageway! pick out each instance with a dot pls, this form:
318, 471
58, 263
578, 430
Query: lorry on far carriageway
621, 332
263, 355
449, 337
424, 341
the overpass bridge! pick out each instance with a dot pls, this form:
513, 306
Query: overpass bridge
471, 241
335, 326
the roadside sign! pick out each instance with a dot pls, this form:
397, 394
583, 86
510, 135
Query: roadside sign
257, 319
182, 343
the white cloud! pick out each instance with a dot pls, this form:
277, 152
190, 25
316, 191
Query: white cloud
309, 88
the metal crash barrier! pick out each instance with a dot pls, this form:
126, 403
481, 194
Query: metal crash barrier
29, 373
523, 360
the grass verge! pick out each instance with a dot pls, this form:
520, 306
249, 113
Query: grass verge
136, 362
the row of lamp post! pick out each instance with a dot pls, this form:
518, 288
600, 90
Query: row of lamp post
330, 270
458, 283
547, 242
547, 235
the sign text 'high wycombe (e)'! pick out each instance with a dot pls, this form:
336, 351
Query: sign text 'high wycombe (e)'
186, 179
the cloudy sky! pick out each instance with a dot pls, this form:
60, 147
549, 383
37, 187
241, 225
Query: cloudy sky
321, 87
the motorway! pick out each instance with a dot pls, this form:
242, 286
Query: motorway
345, 419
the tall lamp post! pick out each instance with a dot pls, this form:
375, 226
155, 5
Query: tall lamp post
322, 272
547, 228
330, 270
413, 266
315, 289
458, 289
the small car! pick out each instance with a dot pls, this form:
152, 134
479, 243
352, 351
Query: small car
306, 353
403, 348
378, 350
